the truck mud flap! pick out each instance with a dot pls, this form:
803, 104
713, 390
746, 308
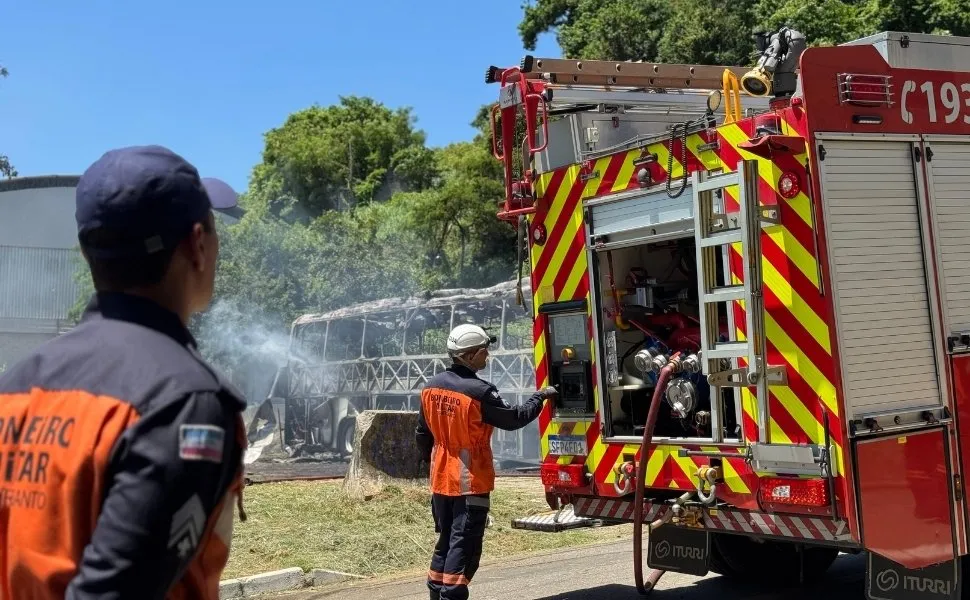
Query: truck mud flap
679, 549
555, 521
887, 580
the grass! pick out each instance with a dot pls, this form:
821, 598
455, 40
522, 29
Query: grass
311, 525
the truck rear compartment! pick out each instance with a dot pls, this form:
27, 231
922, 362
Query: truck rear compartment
656, 286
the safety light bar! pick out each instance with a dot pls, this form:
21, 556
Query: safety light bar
562, 476
793, 491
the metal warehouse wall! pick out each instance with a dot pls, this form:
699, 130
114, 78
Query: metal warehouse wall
37, 283
38, 238
38, 212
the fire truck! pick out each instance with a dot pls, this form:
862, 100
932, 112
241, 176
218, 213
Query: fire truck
752, 289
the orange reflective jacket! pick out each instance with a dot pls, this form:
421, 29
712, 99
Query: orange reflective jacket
458, 413
461, 459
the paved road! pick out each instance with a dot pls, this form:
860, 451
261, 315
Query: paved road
597, 573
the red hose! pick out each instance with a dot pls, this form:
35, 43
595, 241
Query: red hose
655, 403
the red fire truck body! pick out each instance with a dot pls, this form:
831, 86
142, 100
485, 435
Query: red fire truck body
758, 321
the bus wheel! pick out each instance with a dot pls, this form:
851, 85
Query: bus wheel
747, 560
345, 437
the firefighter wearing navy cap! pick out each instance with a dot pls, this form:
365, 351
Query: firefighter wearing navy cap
456, 418
120, 448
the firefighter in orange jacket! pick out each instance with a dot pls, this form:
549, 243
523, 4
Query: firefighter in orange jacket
120, 448
455, 421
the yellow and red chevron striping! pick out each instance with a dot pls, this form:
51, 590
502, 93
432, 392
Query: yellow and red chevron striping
560, 272
796, 326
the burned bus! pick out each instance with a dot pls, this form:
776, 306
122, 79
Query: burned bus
379, 355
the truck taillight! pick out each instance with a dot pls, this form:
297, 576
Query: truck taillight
562, 476
794, 492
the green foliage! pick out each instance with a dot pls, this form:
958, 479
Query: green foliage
658, 30
85, 287
708, 32
337, 157
445, 234
461, 242
717, 32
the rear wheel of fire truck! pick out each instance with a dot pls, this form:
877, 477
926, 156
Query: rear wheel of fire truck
749, 560
345, 437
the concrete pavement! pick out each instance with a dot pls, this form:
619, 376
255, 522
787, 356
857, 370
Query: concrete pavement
602, 572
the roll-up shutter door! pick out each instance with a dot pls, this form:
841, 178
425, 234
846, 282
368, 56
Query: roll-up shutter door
878, 277
949, 170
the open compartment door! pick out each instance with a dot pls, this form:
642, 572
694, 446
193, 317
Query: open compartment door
905, 497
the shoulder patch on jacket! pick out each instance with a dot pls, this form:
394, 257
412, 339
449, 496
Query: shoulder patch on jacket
201, 442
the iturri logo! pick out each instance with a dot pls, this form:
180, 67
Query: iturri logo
887, 580
663, 549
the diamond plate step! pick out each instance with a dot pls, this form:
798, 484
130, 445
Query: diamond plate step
548, 521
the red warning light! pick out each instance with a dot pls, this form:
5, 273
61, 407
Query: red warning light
539, 234
788, 185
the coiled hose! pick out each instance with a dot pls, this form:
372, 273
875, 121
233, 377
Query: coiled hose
655, 402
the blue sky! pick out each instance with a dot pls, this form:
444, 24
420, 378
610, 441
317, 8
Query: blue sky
208, 78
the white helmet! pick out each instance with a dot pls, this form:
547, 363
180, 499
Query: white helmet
467, 337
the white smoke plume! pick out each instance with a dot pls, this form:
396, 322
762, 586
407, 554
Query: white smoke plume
247, 349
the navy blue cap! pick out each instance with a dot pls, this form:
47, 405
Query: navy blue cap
147, 197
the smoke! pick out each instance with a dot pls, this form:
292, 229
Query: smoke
247, 348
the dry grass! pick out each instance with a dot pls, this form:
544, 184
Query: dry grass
311, 525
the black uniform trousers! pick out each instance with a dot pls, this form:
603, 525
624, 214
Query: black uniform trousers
460, 523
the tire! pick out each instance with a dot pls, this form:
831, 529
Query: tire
716, 562
345, 437
746, 560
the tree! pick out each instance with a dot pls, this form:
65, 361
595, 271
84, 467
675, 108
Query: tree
673, 31
462, 241
606, 29
715, 32
336, 157
708, 32
6, 169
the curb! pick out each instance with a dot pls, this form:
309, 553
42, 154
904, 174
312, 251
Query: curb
323, 577
279, 581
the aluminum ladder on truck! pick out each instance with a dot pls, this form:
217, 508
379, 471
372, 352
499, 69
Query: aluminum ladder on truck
713, 228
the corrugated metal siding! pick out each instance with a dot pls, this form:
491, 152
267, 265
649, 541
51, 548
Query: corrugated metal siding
878, 276
950, 181
36, 283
